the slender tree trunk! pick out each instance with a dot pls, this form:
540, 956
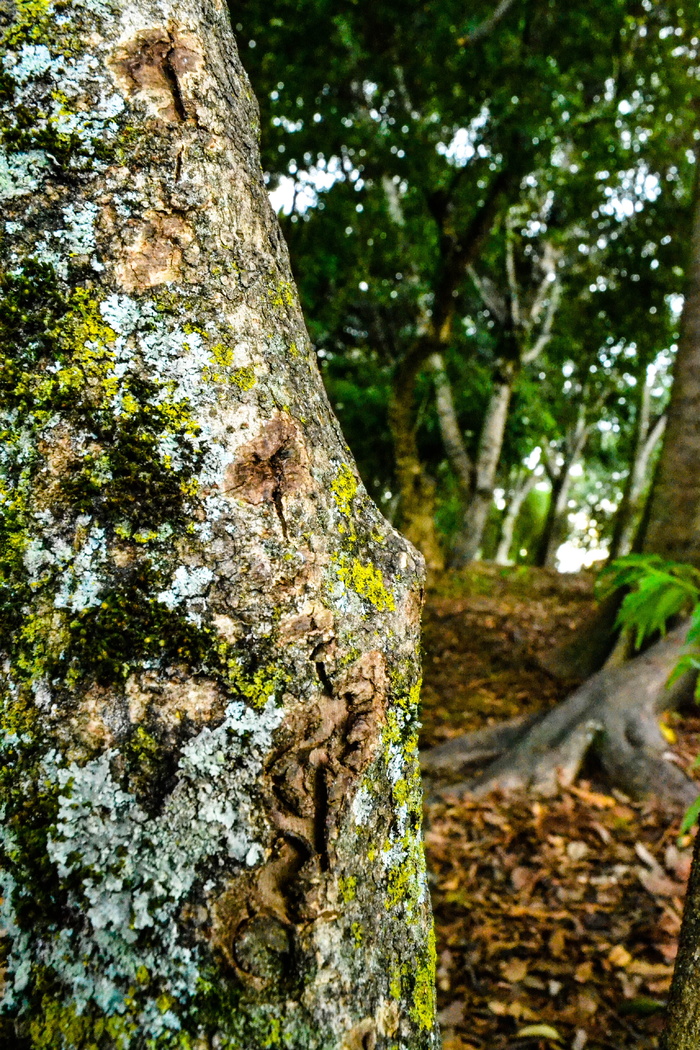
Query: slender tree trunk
674, 518
647, 437
555, 528
476, 515
510, 518
450, 430
210, 795
457, 254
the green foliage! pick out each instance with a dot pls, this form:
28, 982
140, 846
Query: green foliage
364, 108
691, 817
657, 590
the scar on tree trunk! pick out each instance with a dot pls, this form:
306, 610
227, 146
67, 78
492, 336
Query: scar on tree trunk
614, 716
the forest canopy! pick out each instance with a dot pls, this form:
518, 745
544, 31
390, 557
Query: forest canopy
495, 205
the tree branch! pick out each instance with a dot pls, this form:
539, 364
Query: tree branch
513, 291
493, 302
546, 332
487, 27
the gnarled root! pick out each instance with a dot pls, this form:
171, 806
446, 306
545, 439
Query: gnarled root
615, 715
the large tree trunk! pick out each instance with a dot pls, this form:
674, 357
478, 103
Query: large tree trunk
674, 520
470, 539
211, 804
683, 1027
673, 530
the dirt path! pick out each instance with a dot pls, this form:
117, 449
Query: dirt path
485, 633
556, 919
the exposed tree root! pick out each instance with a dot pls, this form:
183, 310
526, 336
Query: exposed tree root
614, 715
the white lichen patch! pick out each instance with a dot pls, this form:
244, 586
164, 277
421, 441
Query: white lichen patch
79, 235
188, 586
81, 583
21, 173
31, 61
362, 805
129, 873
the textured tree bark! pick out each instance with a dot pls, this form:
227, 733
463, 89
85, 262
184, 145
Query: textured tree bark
683, 1018
674, 531
210, 792
674, 517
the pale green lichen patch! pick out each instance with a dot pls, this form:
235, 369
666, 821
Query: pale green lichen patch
128, 875
20, 173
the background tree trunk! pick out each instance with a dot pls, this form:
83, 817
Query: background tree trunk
450, 430
555, 522
211, 800
416, 507
648, 433
469, 541
674, 519
555, 526
518, 495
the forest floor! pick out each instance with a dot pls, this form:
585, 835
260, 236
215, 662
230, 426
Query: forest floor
556, 918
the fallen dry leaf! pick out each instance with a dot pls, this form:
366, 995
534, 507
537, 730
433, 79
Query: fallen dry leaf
619, 956
514, 970
519, 914
660, 885
452, 1014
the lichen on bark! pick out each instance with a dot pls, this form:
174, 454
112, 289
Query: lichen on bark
210, 795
